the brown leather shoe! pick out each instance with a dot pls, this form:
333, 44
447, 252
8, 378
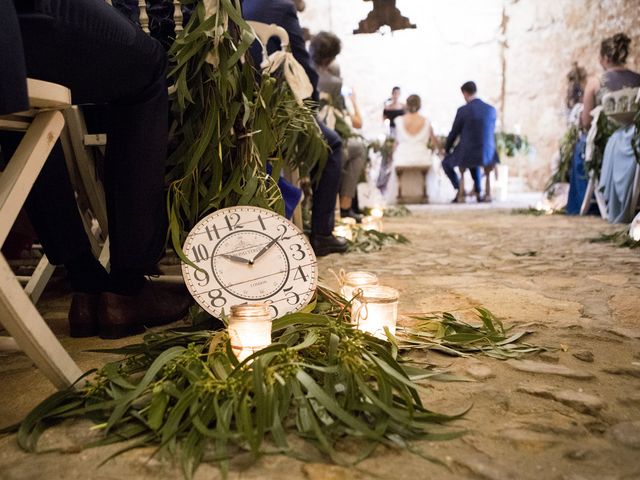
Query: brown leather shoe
156, 304
83, 315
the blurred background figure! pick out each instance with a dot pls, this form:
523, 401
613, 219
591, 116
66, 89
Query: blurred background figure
393, 108
324, 48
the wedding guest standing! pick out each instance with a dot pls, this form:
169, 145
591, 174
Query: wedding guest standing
619, 161
283, 13
103, 58
393, 108
474, 126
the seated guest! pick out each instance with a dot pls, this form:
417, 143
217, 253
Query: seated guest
102, 58
474, 125
619, 162
283, 13
324, 48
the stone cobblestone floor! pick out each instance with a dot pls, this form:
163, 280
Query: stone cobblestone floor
569, 414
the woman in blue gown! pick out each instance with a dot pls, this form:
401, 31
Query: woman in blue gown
618, 164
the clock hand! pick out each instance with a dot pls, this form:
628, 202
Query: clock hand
234, 258
265, 248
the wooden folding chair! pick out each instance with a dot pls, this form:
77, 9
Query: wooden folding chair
42, 125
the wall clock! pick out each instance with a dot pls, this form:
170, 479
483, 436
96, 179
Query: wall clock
247, 255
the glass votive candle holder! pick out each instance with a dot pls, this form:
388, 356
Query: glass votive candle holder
371, 223
376, 308
354, 280
377, 212
634, 228
343, 231
249, 329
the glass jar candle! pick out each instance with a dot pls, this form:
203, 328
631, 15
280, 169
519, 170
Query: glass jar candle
377, 212
354, 280
249, 328
372, 223
375, 309
343, 231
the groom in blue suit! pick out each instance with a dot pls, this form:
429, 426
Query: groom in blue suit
474, 125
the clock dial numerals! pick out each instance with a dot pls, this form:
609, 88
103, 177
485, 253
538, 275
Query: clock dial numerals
249, 254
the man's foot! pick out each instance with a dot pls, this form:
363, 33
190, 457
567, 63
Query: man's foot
83, 315
326, 244
155, 304
349, 212
460, 197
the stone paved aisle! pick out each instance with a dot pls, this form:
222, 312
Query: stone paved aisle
573, 414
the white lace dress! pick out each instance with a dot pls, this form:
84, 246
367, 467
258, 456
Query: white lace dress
412, 149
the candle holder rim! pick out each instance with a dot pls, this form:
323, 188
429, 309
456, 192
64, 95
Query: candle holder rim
385, 294
363, 273
249, 311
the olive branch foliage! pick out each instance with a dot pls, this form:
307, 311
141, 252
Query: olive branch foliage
231, 123
619, 239
447, 334
367, 241
567, 146
186, 393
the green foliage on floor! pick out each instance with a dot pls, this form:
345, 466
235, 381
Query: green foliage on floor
367, 241
619, 239
447, 334
186, 394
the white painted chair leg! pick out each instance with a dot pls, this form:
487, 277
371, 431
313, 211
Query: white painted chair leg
38, 281
586, 201
635, 193
31, 333
104, 257
25, 165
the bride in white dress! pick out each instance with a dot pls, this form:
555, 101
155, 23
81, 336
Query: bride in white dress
413, 132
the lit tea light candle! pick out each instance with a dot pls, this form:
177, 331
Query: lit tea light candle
376, 308
371, 223
249, 328
377, 212
354, 280
343, 231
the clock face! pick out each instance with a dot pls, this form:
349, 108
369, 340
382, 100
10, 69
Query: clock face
249, 255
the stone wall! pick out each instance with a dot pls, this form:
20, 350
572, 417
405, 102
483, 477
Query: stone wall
543, 38
518, 52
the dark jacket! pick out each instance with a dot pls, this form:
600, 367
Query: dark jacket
282, 13
13, 72
475, 124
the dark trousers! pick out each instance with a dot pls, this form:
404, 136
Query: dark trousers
450, 169
326, 189
103, 58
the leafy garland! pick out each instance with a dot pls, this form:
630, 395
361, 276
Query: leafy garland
446, 334
619, 239
391, 211
230, 127
367, 241
185, 392
536, 212
511, 144
605, 129
566, 149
